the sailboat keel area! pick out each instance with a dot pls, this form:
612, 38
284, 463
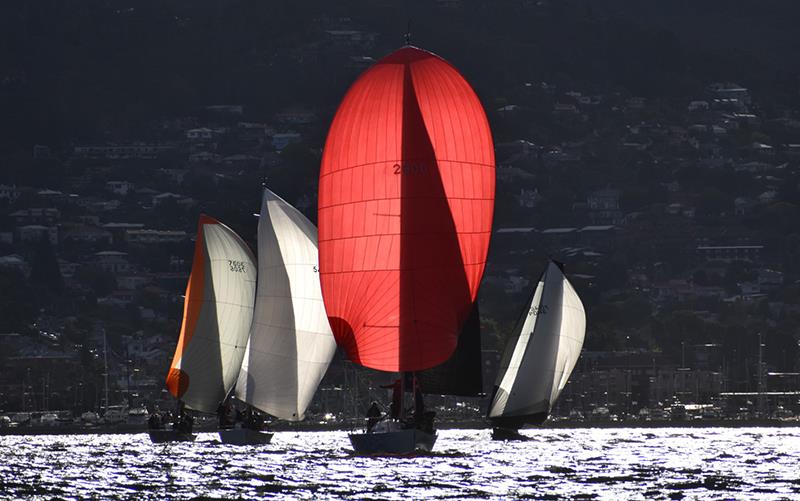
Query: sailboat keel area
392, 442
244, 436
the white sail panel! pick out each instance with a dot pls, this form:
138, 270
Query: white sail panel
545, 351
508, 373
291, 343
217, 320
573, 331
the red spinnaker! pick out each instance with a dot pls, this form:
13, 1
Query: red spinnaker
406, 198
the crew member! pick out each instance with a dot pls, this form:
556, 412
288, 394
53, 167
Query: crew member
374, 415
397, 398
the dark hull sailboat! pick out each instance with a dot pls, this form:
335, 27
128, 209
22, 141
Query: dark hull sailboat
218, 310
507, 429
540, 356
244, 436
393, 442
165, 436
405, 212
508, 434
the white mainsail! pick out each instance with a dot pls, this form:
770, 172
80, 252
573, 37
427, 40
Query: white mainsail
218, 310
540, 358
291, 343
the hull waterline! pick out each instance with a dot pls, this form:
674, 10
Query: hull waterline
508, 435
165, 436
244, 436
393, 442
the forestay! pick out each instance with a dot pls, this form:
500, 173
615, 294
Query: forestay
540, 358
218, 310
291, 344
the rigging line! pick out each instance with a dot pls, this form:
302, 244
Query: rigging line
391, 162
401, 197
374, 235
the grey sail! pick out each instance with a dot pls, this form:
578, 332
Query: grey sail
461, 375
542, 353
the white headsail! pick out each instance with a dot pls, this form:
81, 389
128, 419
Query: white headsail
540, 357
218, 310
291, 343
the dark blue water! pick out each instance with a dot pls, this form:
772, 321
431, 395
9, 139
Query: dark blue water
668, 463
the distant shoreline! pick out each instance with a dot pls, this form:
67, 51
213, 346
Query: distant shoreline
461, 425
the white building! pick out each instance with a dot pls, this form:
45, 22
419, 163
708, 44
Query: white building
113, 261
120, 187
155, 236
37, 232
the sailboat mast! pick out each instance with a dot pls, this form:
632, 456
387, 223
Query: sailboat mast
105, 370
402, 413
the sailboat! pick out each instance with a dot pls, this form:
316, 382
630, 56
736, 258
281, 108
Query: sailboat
406, 198
217, 312
291, 344
540, 356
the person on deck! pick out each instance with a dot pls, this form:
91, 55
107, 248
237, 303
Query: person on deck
258, 421
374, 415
154, 421
186, 423
183, 420
227, 413
252, 420
397, 398
419, 404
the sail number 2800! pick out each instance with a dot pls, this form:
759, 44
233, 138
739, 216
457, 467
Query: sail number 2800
410, 168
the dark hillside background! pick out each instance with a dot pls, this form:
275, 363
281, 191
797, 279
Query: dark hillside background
74, 72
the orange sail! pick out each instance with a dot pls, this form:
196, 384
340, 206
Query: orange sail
217, 313
406, 200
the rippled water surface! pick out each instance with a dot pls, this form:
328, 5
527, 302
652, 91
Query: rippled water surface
669, 463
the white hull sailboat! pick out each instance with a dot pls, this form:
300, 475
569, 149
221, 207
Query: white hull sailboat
540, 356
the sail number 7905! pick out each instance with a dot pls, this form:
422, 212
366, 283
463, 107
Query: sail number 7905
237, 266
